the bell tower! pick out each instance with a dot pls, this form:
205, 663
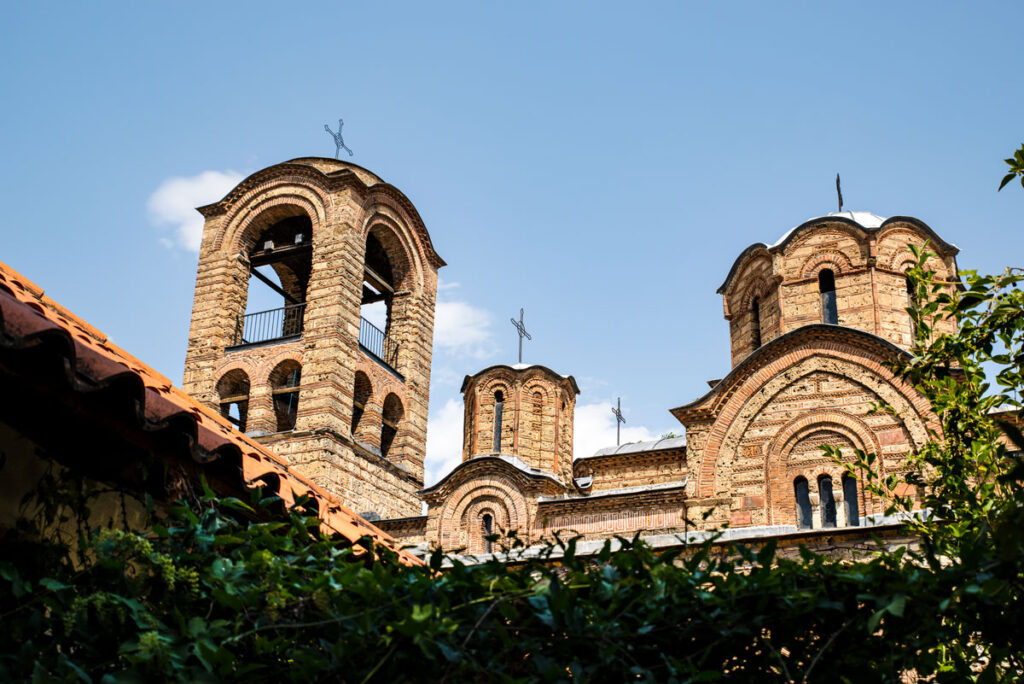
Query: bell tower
313, 323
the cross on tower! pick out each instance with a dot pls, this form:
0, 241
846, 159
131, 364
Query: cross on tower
339, 142
619, 420
521, 329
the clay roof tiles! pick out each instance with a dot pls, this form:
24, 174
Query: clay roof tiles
28, 316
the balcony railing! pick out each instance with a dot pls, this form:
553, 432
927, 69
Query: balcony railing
373, 340
265, 326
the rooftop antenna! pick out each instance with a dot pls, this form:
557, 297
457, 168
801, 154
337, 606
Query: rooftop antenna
839, 192
619, 420
521, 329
339, 142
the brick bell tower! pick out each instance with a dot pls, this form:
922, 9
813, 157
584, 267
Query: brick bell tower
313, 323
525, 411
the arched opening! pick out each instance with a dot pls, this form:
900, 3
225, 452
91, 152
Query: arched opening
233, 396
384, 268
280, 263
827, 288
537, 419
828, 501
755, 323
390, 419
360, 395
802, 493
499, 407
487, 527
284, 388
850, 499
911, 303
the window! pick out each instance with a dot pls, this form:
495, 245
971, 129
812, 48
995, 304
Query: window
803, 503
499, 405
233, 396
390, 419
487, 525
850, 499
828, 501
911, 301
827, 288
755, 325
360, 395
284, 388
384, 268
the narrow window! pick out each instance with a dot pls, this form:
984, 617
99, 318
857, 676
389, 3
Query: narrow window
803, 503
827, 288
499, 405
850, 499
828, 502
390, 419
284, 387
911, 302
755, 325
360, 395
488, 529
233, 394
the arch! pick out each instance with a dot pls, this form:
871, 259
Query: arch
233, 397
500, 494
279, 197
836, 261
391, 419
362, 390
285, 381
743, 403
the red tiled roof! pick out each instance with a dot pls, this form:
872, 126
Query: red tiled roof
27, 314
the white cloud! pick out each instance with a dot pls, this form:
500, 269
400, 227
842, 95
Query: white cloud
172, 206
443, 285
444, 441
462, 329
594, 428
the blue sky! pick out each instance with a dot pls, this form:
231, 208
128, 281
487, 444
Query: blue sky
599, 164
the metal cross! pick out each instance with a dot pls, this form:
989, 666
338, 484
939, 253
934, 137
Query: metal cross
840, 193
521, 329
619, 420
339, 142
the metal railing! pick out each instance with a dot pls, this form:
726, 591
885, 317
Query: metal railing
377, 343
264, 326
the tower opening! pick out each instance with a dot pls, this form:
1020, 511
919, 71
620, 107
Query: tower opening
360, 395
390, 419
284, 388
827, 288
755, 325
280, 264
499, 406
377, 302
233, 396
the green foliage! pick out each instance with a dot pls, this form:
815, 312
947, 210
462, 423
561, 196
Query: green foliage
221, 589
1016, 164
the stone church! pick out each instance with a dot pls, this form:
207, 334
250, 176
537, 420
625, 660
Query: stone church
813, 318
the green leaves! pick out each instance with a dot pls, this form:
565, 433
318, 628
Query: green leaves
1016, 164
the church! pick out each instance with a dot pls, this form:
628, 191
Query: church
342, 396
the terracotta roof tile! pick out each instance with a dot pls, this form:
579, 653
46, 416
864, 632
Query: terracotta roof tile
27, 314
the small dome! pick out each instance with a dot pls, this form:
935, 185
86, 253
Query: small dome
864, 219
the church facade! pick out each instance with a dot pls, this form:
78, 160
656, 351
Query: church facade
813, 320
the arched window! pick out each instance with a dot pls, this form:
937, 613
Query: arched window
383, 271
537, 418
360, 395
755, 324
911, 302
827, 288
850, 499
233, 395
487, 527
499, 406
284, 388
280, 263
390, 419
802, 492
828, 501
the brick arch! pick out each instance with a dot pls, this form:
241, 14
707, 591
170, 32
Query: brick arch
762, 386
473, 515
779, 474
756, 267
837, 261
267, 365
760, 286
492, 486
401, 246
267, 205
